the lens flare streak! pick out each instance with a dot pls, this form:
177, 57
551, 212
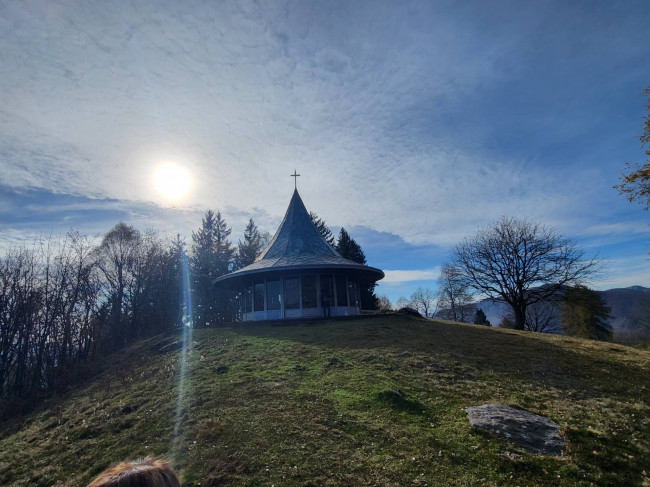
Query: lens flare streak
187, 324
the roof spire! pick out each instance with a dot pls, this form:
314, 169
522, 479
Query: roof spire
295, 180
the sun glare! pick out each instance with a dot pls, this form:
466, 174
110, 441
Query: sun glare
172, 181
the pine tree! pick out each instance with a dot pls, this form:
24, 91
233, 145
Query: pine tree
225, 250
176, 261
585, 314
251, 247
322, 228
350, 249
212, 257
480, 318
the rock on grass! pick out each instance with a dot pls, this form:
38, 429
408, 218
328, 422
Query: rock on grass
530, 431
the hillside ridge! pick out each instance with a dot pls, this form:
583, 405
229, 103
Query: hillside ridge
375, 401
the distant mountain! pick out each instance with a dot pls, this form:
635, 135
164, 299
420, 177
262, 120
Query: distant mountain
627, 305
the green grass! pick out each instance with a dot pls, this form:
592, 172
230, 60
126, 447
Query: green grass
377, 401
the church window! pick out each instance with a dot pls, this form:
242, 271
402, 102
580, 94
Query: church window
292, 293
352, 294
327, 287
248, 298
273, 295
309, 291
259, 296
341, 291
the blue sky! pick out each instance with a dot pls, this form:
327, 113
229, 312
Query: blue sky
413, 124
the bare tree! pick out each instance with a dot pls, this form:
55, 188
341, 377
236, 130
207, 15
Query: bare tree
62, 297
507, 320
46, 303
521, 263
20, 302
65, 286
424, 301
116, 259
383, 303
544, 317
636, 185
455, 296
402, 302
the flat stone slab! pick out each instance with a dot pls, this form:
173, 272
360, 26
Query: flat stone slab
530, 431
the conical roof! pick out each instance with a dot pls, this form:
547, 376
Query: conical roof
297, 235
298, 246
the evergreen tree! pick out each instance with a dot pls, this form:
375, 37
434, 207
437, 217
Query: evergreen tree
480, 318
350, 249
322, 228
212, 257
585, 314
265, 240
251, 248
174, 302
225, 251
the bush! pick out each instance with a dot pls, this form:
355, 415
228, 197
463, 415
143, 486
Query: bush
409, 312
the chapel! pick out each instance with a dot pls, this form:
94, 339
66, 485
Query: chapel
299, 274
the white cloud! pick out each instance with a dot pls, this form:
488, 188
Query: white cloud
629, 227
356, 97
624, 272
401, 276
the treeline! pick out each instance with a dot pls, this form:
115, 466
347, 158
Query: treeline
575, 311
63, 301
538, 273
66, 300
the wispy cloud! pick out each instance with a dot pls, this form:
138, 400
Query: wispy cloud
421, 120
396, 276
24, 220
633, 226
624, 272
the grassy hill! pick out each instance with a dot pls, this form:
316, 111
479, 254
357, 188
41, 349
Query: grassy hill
376, 401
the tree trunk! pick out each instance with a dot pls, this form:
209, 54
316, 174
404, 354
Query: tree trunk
520, 316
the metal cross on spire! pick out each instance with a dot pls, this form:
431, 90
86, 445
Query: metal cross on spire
295, 179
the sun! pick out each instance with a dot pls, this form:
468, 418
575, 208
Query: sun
172, 181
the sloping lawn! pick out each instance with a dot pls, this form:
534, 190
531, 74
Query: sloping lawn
375, 401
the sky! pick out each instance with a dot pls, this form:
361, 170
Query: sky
412, 124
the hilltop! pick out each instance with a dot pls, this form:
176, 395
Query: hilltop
374, 401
